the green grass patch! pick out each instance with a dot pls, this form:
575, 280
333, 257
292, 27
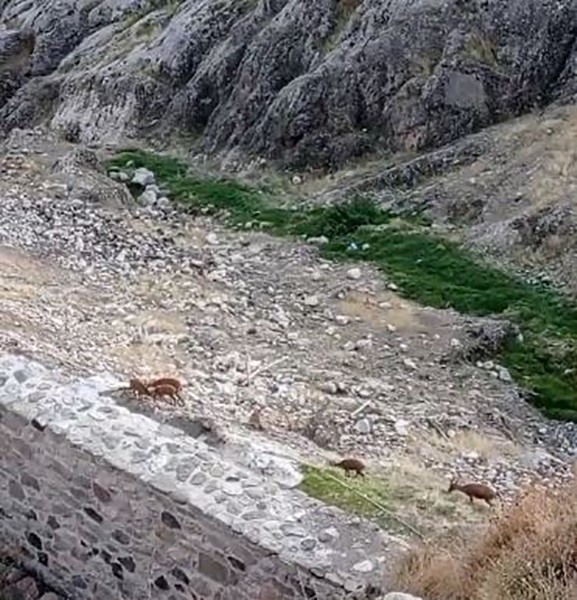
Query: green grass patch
320, 483
428, 269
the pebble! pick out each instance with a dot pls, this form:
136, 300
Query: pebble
402, 427
364, 426
312, 301
365, 566
329, 535
503, 374
143, 177
308, 544
354, 273
330, 387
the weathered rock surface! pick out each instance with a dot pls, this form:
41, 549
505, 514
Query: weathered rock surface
310, 83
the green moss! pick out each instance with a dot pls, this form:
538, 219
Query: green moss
430, 270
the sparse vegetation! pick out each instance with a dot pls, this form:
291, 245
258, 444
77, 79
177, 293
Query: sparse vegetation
528, 552
481, 49
430, 270
169, 6
423, 65
146, 29
403, 499
344, 10
364, 495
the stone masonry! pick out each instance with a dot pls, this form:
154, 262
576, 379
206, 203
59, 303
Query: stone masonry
106, 504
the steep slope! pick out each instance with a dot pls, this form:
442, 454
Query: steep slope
507, 192
313, 84
329, 354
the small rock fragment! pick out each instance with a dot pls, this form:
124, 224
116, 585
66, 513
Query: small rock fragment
354, 273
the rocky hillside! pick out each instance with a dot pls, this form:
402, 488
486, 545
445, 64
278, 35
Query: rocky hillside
291, 356
507, 192
312, 84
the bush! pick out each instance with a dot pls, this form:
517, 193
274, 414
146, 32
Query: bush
527, 552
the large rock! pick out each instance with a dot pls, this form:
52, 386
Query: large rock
87, 180
310, 83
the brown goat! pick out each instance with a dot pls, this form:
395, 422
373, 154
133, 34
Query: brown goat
138, 388
474, 490
166, 381
350, 465
169, 391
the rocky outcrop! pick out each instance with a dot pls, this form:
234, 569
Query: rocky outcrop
313, 84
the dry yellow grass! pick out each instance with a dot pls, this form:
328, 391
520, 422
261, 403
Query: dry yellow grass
527, 552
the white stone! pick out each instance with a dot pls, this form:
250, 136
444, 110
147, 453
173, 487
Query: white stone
365, 566
329, 387
148, 197
143, 177
154, 188
364, 426
400, 596
321, 239
354, 273
402, 427
363, 344
503, 374
312, 301
342, 319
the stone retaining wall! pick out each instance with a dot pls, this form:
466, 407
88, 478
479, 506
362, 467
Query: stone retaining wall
105, 504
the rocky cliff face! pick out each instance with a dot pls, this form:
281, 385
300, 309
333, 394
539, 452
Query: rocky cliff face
313, 84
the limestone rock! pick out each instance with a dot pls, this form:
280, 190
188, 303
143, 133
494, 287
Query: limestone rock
82, 170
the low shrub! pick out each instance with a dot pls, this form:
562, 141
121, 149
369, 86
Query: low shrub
527, 552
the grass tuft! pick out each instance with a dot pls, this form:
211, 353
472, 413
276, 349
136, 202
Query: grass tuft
528, 552
430, 270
